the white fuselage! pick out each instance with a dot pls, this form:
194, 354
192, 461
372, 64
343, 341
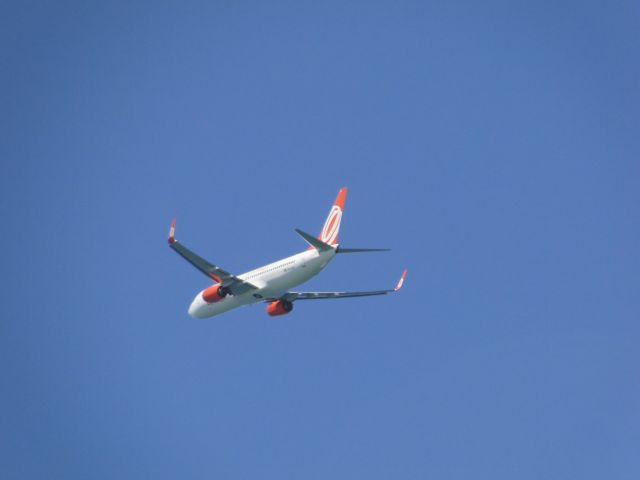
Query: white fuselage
272, 280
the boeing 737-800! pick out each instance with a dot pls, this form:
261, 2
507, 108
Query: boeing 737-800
271, 283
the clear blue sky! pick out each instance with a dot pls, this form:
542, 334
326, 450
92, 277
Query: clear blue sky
494, 146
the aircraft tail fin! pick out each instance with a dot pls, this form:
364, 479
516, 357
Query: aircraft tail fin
329, 232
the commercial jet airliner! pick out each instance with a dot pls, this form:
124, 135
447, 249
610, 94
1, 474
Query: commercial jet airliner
271, 283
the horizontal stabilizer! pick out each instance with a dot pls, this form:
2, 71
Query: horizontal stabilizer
313, 241
359, 250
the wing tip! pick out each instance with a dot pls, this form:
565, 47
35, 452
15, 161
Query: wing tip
172, 232
401, 281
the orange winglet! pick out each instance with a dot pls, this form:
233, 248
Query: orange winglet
401, 281
172, 232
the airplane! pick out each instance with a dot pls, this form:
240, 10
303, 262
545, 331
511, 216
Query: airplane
271, 283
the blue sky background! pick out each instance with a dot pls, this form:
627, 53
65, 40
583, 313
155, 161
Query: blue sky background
494, 146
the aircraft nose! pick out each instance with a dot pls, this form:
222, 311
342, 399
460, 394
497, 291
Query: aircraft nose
194, 308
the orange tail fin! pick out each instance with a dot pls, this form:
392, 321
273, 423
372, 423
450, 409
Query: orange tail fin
329, 233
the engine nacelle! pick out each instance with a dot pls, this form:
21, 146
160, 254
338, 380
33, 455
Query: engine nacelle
279, 307
214, 293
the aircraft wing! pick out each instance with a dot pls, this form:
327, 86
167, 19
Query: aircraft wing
235, 285
292, 296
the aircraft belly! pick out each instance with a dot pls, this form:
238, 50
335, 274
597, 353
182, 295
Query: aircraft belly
279, 285
201, 309
269, 286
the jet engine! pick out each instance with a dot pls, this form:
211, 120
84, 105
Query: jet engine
279, 307
214, 293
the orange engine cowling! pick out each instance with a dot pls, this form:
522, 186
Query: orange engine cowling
214, 293
279, 307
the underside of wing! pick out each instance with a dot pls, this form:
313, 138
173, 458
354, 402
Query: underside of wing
293, 296
234, 284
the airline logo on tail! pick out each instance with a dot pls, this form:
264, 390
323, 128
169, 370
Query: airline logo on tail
331, 227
